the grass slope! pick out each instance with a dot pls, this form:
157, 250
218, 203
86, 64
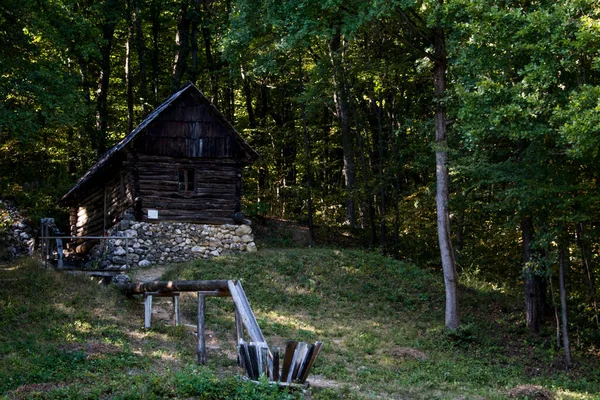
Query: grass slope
381, 321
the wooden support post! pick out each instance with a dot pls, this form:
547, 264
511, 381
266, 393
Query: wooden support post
239, 332
148, 310
239, 328
201, 327
176, 308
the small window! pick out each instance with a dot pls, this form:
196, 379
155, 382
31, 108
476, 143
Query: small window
187, 180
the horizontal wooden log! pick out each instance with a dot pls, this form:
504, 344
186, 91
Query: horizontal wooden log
177, 286
144, 157
193, 219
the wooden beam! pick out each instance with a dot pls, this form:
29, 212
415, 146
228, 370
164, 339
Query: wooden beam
217, 287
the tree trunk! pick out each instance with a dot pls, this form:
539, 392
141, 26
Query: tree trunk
182, 44
155, 50
108, 31
195, 22
340, 98
585, 259
563, 259
442, 178
210, 63
366, 186
534, 285
248, 98
128, 80
141, 53
308, 162
382, 227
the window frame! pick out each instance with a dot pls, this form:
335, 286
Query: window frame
186, 180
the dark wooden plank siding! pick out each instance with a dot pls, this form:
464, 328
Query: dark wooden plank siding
188, 129
214, 199
102, 204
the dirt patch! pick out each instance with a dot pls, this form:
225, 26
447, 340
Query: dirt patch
148, 274
530, 392
92, 350
30, 390
407, 352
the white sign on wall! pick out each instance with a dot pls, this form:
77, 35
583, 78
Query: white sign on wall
152, 214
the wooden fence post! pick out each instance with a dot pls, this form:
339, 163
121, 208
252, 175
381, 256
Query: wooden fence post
201, 327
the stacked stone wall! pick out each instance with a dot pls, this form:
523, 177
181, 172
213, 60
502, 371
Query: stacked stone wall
141, 244
16, 235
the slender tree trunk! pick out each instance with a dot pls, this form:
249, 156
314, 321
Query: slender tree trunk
195, 22
141, 54
248, 98
108, 31
366, 186
382, 227
128, 80
442, 177
585, 257
210, 62
155, 50
308, 162
563, 259
340, 98
534, 284
182, 45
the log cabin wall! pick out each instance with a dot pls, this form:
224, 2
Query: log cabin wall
211, 196
186, 165
102, 204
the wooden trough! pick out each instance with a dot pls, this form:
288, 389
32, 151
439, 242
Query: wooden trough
254, 356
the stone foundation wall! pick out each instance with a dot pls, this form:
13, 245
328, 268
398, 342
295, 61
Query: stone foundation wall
169, 242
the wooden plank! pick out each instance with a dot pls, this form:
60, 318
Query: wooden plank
299, 357
248, 318
201, 329
254, 361
313, 358
176, 309
239, 329
147, 311
287, 358
264, 358
275, 376
292, 366
305, 360
247, 362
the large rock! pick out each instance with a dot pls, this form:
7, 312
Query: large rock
198, 249
243, 230
251, 247
247, 239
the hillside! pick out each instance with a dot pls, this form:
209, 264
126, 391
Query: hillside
381, 320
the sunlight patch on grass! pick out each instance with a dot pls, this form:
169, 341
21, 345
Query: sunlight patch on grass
570, 395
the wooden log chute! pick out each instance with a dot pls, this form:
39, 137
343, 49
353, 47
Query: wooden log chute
255, 357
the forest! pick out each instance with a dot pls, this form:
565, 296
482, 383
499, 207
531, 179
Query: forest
461, 135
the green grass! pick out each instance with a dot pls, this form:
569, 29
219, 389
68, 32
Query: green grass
66, 337
381, 321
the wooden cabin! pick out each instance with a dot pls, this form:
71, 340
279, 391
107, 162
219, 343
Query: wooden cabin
182, 163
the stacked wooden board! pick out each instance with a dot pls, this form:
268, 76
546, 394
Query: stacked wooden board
298, 360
